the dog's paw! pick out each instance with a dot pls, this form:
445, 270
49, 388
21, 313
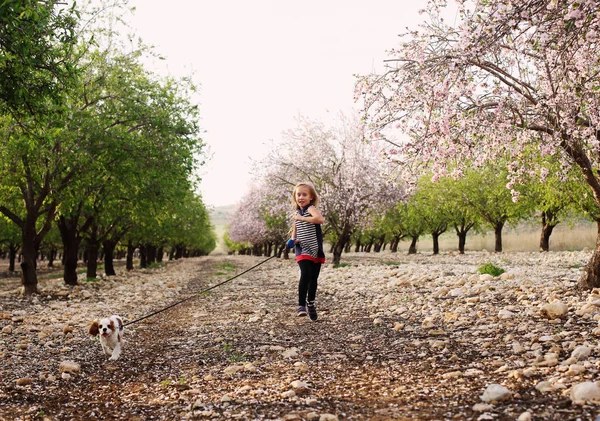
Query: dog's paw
113, 358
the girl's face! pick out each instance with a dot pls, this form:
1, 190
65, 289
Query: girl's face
303, 196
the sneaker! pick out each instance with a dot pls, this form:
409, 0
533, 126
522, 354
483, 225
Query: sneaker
312, 311
301, 311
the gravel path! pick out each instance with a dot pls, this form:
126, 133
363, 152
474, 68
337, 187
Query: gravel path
398, 337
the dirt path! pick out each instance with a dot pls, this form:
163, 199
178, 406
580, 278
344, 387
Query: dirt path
239, 352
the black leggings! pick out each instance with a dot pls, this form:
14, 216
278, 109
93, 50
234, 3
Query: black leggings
307, 287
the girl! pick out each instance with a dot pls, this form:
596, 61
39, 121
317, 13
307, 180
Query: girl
307, 238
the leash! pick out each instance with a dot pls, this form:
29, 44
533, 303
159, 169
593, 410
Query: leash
201, 292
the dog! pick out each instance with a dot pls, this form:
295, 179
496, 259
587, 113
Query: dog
110, 330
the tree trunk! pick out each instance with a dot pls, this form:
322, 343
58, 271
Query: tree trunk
109, 252
545, 237
395, 243
92, 248
71, 241
462, 241
412, 249
338, 247
337, 251
498, 236
159, 254
12, 255
436, 242
143, 261
129, 259
590, 278
549, 221
92, 264
28, 267
357, 248
150, 254
51, 257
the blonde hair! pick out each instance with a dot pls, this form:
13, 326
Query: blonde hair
315, 197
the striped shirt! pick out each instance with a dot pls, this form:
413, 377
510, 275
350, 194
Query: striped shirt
310, 237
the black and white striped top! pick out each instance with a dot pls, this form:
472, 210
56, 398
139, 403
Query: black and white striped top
310, 237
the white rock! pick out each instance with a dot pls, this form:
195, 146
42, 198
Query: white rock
585, 392
575, 370
249, 367
290, 353
505, 314
299, 384
69, 367
587, 308
525, 416
301, 366
452, 375
581, 352
398, 326
232, 369
545, 386
427, 323
496, 393
328, 417
554, 310
482, 407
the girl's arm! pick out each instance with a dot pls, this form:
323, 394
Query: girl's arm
314, 218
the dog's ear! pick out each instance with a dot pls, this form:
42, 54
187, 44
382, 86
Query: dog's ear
94, 328
120, 323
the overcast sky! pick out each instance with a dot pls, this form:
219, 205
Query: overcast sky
261, 63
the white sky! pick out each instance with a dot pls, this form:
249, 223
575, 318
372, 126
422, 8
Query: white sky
261, 63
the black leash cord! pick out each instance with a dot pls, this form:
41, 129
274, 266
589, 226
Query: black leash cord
201, 292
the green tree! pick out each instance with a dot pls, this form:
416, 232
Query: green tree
485, 191
37, 44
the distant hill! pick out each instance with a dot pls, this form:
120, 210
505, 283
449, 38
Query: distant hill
219, 217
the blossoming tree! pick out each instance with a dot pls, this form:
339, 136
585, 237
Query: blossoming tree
510, 76
348, 173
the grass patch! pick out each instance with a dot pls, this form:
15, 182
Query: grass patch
233, 356
225, 268
341, 265
490, 269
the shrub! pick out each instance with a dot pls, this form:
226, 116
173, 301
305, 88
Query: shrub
490, 269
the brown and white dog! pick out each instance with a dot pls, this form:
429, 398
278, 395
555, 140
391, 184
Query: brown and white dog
111, 335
